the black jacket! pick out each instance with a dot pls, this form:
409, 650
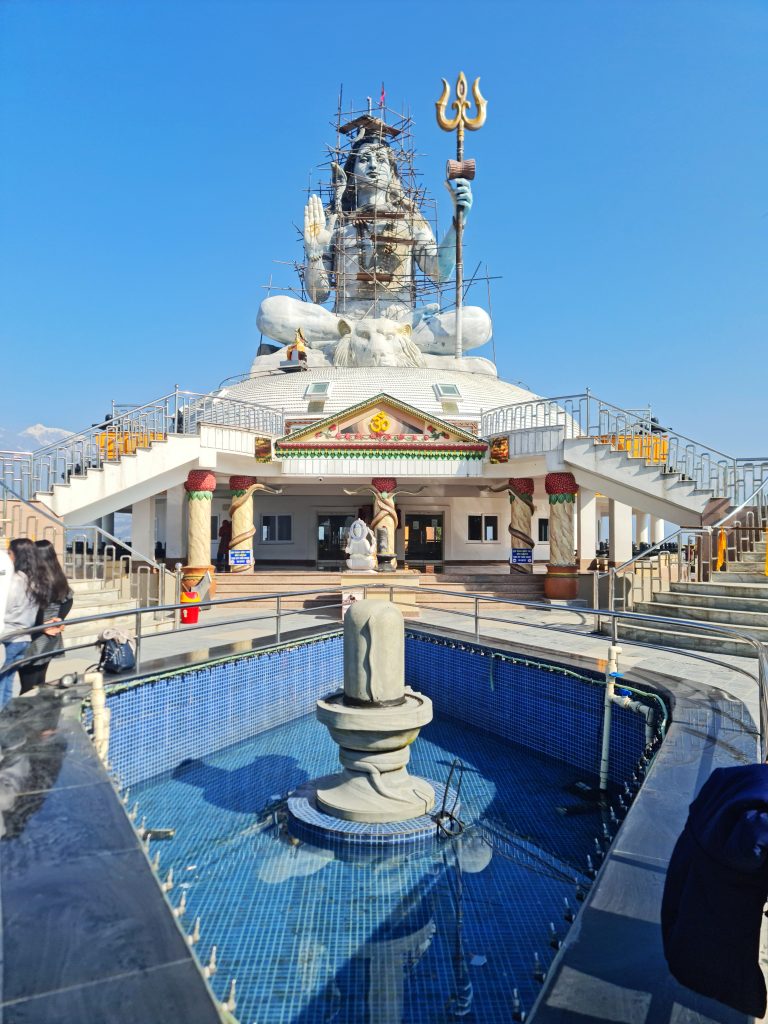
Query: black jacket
716, 888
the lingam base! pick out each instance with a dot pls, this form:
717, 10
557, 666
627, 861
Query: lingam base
368, 790
374, 748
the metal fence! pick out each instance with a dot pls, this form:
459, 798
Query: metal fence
177, 414
636, 433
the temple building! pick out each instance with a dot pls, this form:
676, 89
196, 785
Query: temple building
368, 400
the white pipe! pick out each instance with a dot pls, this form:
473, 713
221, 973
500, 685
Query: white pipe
610, 671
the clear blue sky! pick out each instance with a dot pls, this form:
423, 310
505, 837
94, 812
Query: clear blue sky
156, 153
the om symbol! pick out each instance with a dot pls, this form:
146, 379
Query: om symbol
379, 424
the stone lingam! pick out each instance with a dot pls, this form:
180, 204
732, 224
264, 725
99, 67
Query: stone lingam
374, 721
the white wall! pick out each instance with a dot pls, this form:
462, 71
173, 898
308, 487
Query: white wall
306, 508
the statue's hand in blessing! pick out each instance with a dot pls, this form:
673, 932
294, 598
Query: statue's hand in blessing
461, 194
318, 229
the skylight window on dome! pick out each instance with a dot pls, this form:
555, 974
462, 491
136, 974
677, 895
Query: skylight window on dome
317, 389
447, 391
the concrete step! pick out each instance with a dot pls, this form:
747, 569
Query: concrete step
93, 587
707, 600
722, 588
759, 632
699, 642
737, 617
749, 563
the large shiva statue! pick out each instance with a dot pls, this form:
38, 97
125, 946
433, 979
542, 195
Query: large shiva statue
363, 249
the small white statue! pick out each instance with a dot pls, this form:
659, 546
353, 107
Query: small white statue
361, 547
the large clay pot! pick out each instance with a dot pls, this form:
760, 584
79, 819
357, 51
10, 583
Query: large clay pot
562, 582
192, 575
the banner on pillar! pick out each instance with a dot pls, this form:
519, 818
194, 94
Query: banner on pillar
521, 556
240, 556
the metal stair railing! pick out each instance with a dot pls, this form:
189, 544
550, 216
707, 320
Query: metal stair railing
179, 413
479, 612
690, 554
89, 552
637, 434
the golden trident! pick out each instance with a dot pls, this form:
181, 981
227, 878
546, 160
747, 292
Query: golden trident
460, 168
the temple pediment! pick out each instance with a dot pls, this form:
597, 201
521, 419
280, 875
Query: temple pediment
381, 426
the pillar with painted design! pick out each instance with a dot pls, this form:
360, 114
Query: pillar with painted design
520, 491
200, 485
562, 572
241, 514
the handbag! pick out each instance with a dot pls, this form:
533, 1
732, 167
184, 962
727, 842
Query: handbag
117, 651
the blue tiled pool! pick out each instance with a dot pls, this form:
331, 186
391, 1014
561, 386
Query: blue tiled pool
461, 930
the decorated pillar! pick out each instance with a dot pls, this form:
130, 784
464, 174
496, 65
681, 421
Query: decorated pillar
520, 490
384, 522
241, 515
562, 573
200, 485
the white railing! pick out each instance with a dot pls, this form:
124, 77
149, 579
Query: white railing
180, 413
632, 431
89, 552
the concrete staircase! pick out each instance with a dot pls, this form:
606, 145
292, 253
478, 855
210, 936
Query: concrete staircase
524, 586
95, 597
638, 482
114, 485
737, 597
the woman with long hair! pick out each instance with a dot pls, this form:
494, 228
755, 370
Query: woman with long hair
58, 604
27, 592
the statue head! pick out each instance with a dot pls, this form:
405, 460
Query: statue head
371, 162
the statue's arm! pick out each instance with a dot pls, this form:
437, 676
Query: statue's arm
316, 279
318, 242
438, 261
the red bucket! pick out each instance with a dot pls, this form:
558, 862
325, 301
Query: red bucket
189, 616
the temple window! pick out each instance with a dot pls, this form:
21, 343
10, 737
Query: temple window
276, 529
483, 528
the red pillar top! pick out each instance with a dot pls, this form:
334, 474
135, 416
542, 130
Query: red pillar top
560, 483
200, 480
241, 483
521, 484
384, 483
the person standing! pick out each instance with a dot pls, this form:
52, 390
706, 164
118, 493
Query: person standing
6, 575
222, 554
59, 604
27, 592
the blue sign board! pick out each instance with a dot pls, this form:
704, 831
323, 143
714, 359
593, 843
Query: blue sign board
521, 556
240, 556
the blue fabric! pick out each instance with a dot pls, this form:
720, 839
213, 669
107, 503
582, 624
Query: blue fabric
13, 650
716, 888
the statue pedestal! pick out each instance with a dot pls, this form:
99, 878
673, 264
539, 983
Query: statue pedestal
352, 584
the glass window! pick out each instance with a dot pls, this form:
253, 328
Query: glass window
276, 529
543, 529
447, 391
483, 528
318, 389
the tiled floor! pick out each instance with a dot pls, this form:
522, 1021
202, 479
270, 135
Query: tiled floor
302, 929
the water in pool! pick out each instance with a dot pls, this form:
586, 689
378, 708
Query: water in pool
443, 933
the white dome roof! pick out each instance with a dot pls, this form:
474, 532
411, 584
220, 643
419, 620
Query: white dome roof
287, 392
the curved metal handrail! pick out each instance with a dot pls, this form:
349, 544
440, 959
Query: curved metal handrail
716, 629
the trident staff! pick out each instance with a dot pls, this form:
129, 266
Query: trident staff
460, 168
